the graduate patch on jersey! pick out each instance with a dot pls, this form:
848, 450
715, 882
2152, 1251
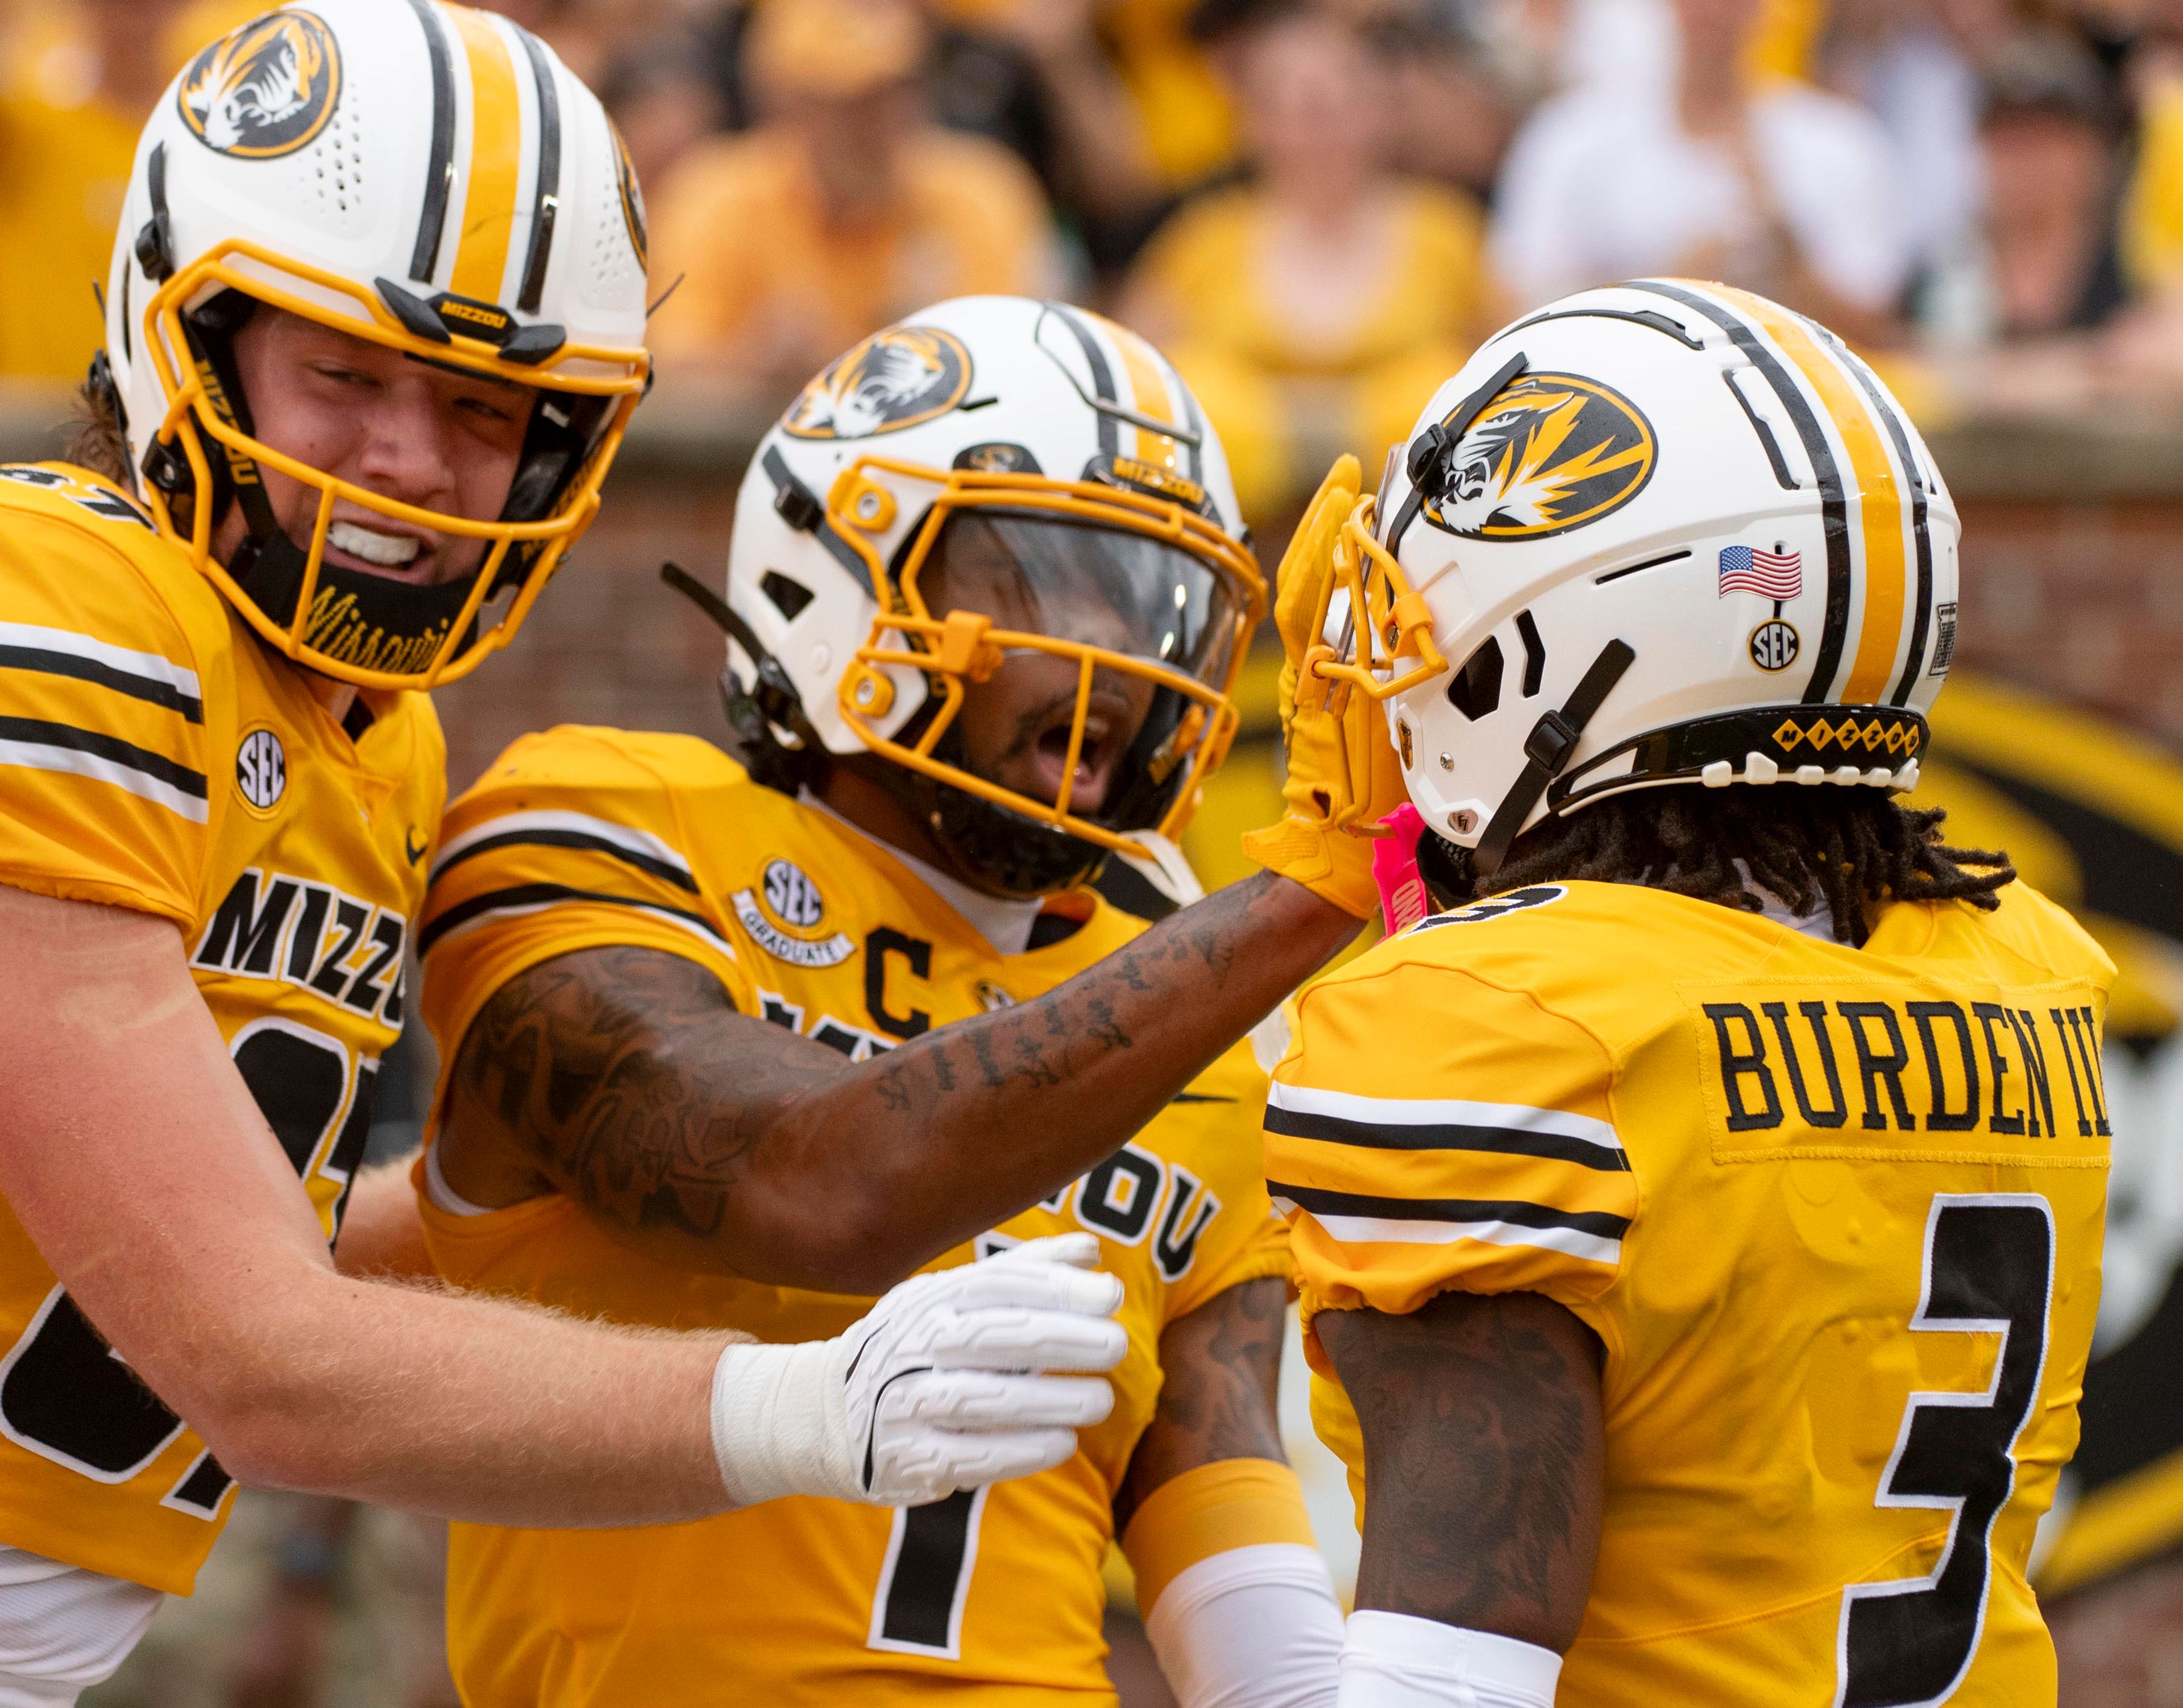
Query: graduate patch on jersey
786, 906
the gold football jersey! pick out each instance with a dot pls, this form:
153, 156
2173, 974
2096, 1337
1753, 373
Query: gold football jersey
154, 756
1834, 1213
581, 838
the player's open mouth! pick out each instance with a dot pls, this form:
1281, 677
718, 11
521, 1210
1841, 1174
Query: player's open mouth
368, 545
1095, 759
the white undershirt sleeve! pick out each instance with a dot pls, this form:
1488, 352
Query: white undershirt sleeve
1253, 1627
1395, 1661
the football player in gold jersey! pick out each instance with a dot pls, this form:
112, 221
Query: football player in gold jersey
987, 595
1699, 1222
218, 784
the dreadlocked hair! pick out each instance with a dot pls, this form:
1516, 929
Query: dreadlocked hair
1851, 848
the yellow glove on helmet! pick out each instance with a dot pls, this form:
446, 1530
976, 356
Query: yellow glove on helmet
1343, 776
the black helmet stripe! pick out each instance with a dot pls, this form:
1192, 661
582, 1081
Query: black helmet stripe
1921, 624
1827, 656
548, 203
1103, 377
1195, 421
439, 175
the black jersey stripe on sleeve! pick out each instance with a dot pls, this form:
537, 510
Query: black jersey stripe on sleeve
1333, 1129
38, 732
579, 840
1599, 1224
538, 895
47, 661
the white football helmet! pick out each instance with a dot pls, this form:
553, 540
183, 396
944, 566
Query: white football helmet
427, 177
1106, 533
1658, 533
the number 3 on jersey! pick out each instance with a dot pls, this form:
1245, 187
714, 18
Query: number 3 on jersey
66, 1395
1989, 1270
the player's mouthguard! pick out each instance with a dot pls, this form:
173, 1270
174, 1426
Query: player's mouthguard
387, 551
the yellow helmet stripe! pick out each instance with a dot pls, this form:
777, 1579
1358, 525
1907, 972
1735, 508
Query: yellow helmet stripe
1922, 601
1149, 392
1882, 512
496, 162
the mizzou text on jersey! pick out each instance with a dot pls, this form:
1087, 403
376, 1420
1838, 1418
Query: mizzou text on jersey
582, 839
155, 756
1834, 1215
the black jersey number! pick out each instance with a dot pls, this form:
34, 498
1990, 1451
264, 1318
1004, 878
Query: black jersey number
66, 1395
926, 1578
1989, 1270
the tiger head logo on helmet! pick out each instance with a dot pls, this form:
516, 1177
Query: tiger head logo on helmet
265, 91
895, 379
1552, 453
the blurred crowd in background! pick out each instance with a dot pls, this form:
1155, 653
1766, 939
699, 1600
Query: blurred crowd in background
1318, 206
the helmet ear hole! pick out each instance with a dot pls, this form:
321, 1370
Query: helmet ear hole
790, 596
1476, 690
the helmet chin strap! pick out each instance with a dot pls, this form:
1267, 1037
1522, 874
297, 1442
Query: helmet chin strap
1547, 750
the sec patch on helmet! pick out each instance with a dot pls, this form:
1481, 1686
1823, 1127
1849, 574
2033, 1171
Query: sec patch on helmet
1551, 452
902, 377
265, 90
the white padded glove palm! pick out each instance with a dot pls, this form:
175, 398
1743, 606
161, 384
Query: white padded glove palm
941, 1386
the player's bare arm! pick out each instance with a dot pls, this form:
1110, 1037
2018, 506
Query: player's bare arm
1482, 1460
137, 1161
1236, 1599
381, 1234
1221, 1369
139, 1165
625, 1078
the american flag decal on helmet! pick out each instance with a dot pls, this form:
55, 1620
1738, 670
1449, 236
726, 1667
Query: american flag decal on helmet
1771, 574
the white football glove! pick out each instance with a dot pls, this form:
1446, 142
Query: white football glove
938, 1388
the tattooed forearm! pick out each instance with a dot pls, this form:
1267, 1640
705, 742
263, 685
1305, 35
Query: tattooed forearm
1482, 1462
579, 1067
1221, 1374
625, 1078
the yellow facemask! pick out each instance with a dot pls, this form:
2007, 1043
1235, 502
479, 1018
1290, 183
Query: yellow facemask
324, 634
956, 647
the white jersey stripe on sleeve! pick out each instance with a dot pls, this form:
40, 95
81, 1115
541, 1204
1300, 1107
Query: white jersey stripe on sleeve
41, 757
150, 666
1371, 1230
515, 827
1443, 1111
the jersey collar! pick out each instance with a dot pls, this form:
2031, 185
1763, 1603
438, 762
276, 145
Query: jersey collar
1005, 925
